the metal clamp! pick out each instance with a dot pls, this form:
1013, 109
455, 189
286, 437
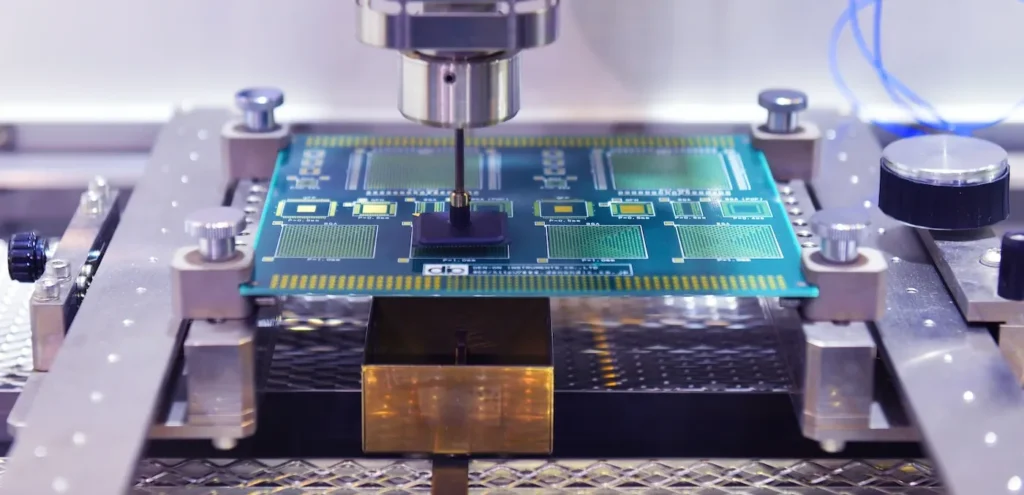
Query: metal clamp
69, 271
838, 401
220, 383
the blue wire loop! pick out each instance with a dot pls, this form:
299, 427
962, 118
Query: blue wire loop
923, 112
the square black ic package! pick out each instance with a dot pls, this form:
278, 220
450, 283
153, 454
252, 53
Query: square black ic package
485, 228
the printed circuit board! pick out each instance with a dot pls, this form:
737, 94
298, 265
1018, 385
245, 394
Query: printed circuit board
587, 216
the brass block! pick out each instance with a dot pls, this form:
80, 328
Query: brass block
458, 376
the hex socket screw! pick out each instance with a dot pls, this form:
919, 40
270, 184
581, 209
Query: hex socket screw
842, 231
257, 106
784, 107
215, 229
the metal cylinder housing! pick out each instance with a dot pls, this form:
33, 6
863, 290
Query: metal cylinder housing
459, 91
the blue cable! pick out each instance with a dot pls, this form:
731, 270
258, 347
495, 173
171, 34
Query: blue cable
837, 76
924, 113
898, 92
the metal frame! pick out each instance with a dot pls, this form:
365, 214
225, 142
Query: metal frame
113, 365
958, 389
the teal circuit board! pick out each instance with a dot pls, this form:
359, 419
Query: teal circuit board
587, 216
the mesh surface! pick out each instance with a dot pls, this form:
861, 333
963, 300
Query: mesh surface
728, 241
327, 241
420, 171
636, 171
703, 477
683, 344
596, 242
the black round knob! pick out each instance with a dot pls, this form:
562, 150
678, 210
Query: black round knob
945, 182
26, 256
1011, 267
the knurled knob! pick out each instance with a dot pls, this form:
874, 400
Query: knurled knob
842, 231
215, 230
26, 256
945, 182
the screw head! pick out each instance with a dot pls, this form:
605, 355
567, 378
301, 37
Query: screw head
782, 100
215, 224
259, 99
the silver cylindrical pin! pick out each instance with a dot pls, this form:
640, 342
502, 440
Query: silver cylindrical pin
259, 120
216, 249
47, 289
782, 122
59, 268
839, 251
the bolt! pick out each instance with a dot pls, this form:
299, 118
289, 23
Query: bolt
215, 229
784, 107
47, 289
991, 257
99, 187
833, 446
59, 268
257, 105
841, 231
224, 443
91, 203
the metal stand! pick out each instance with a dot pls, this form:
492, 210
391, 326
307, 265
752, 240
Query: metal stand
450, 476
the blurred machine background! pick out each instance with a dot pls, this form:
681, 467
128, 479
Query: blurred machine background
120, 89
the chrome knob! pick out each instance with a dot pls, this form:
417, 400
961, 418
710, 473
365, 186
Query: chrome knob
842, 230
784, 107
215, 230
257, 106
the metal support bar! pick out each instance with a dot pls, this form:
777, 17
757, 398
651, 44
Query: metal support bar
970, 277
90, 419
450, 476
77, 254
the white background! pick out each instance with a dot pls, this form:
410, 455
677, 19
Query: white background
125, 60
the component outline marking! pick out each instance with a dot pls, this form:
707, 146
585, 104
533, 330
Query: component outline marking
649, 210
696, 204
282, 204
539, 209
764, 207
